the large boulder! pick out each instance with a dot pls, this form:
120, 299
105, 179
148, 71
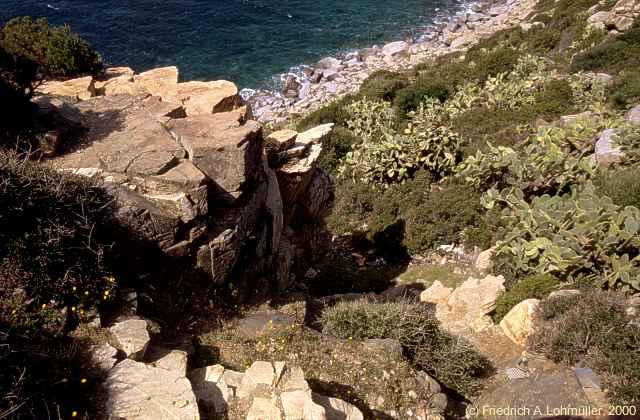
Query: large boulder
467, 307
143, 392
436, 293
633, 115
208, 97
521, 321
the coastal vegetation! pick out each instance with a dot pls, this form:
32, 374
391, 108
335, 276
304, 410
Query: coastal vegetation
496, 148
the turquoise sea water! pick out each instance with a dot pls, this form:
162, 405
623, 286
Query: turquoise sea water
246, 41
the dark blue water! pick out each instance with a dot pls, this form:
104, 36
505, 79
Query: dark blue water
246, 41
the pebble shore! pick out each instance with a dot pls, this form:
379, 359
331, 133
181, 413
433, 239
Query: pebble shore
335, 77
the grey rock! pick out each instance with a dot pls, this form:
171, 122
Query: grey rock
633, 116
132, 337
143, 392
605, 151
259, 324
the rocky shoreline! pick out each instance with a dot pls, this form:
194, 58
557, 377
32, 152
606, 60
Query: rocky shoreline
335, 77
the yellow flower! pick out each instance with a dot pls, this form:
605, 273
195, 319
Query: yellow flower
86, 292
106, 293
74, 414
74, 288
13, 312
73, 309
83, 381
44, 306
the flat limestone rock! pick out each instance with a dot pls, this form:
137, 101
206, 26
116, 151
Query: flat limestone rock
132, 336
208, 97
225, 151
144, 392
315, 134
126, 135
300, 405
78, 89
436, 293
161, 82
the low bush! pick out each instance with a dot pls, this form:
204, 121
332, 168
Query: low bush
621, 185
614, 55
625, 91
593, 328
57, 51
451, 360
382, 85
452, 214
335, 147
532, 287
55, 259
555, 99
408, 98
333, 112
490, 62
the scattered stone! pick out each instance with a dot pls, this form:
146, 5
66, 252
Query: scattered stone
398, 49
470, 303
337, 409
143, 392
261, 373
212, 392
175, 360
102, 358
521, 321
132, 337
293, 380
606, 153
328, 63
633, 116
300, 405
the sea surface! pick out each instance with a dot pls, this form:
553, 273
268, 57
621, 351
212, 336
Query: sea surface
247, 41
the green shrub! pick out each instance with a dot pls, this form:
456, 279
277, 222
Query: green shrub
555, 99
335, 147
619, 53
55, 253
489, 63
452, 214
410, 97
382, 85
451, 360
593, 328
532, 287
354, 202
621, 185
57, 51
625, 90
333, 112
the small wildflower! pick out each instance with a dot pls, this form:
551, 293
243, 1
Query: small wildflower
83, 381
74, 288
73, 309
74, 414
106, 293
350, 338
44, 306
86, 292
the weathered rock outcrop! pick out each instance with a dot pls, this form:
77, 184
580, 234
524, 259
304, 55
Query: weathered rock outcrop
191, 175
